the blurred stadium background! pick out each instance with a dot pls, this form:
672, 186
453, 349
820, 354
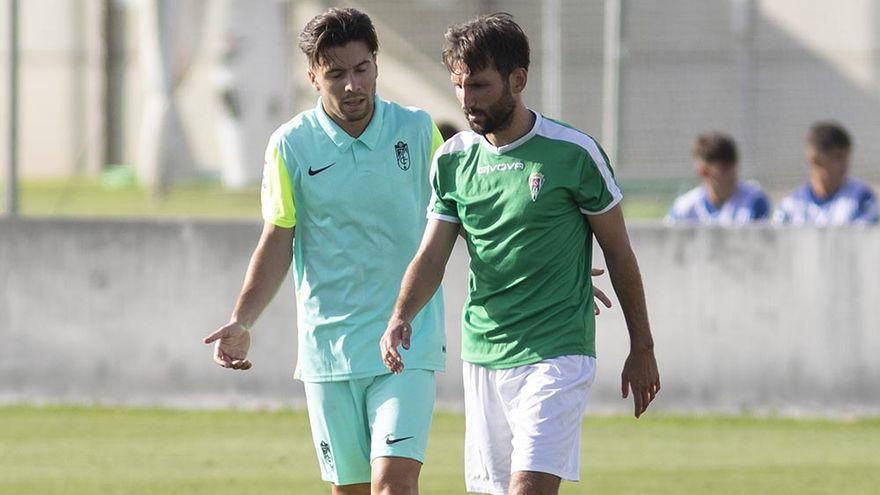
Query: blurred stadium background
162, 108
210, 79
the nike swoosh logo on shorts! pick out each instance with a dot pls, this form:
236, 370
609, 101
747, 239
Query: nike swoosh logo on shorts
391, 441
318, 171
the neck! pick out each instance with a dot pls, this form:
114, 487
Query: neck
824, 186
718, 195
355, 128
520, 124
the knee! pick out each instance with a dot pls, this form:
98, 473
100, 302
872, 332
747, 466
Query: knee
395, 478
388, 484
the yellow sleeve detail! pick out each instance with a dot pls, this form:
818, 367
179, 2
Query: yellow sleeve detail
436, 140
276, 195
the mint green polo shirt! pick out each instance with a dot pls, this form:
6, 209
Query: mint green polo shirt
358, 208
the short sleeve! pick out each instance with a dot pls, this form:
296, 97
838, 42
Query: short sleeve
276, 194
440, 207
761, 208
867, 210
597, 191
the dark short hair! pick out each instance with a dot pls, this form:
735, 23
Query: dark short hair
336, 27
827, 136
716, 147
493, 40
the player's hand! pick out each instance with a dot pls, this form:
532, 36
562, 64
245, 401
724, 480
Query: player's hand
597, 292
231, 344
640, 375
396, 334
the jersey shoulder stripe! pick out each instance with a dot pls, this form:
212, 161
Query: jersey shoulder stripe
461, 141
556, 131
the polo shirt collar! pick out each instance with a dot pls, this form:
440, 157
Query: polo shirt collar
342, 139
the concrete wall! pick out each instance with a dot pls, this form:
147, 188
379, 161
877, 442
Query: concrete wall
755, 319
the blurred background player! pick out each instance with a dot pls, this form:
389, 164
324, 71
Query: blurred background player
350, 177
830, 196
721, 199
529, 193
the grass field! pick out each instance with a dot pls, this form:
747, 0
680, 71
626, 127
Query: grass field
89, 198
78, 450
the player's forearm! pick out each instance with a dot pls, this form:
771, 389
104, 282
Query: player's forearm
266, 272
623, 269
420, 282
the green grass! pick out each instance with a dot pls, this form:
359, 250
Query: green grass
88, 450
89, 198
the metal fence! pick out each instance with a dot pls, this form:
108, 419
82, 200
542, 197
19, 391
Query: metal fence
642, 76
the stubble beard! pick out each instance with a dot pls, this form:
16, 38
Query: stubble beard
497, 117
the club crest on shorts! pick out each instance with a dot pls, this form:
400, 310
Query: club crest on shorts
401, 149
536, 182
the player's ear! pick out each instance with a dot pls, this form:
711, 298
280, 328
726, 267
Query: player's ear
701, 167
811, 156
518, 79
313, 79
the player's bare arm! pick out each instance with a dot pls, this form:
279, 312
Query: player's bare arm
640, 374
266, 271
420, 282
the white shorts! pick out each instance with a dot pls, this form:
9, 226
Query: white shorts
524, 419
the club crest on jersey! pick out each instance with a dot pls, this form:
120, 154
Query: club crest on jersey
401, 149
536, 182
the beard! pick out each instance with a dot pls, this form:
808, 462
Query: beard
496, 117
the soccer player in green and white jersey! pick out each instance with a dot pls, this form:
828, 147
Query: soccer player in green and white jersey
351, 179
529, 193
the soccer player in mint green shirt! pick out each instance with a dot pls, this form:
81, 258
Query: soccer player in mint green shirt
530, 193
344, 190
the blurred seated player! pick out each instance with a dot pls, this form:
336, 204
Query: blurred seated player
830, 196
722, 199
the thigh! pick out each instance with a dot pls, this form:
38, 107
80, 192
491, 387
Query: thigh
488, 437
340, 431
399, 410
546, 408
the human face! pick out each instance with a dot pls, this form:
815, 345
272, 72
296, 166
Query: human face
831, 166
720, 177
486, 99
346, 80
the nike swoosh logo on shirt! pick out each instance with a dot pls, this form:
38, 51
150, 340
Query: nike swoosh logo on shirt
391, 441
319, 170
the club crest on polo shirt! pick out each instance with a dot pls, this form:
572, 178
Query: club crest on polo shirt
401, 149
536, 182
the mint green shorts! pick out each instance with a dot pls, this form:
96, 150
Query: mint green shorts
356, 421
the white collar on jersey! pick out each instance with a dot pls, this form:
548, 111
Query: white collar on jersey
500, 150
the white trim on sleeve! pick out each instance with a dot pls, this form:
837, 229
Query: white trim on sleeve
445, 218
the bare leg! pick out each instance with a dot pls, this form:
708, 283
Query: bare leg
396, 476
353, 489
533, 483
